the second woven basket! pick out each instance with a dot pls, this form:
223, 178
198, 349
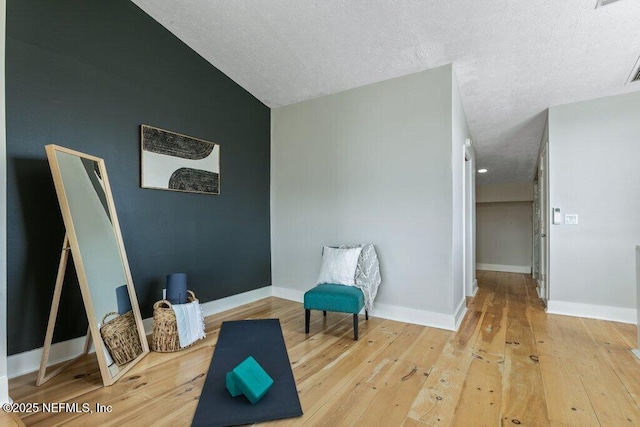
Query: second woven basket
165, 327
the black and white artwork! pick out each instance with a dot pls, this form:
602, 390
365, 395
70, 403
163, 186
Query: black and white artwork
171, 161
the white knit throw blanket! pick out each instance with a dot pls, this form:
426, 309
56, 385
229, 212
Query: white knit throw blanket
190, 322
367, 273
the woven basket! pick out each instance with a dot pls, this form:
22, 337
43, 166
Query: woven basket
120, 335
165, 328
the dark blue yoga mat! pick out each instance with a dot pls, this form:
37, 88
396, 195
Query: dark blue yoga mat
238, 340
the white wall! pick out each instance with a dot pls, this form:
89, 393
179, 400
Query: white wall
505, 227
594, 171
4, 388
504, 236
372, 164
516, 192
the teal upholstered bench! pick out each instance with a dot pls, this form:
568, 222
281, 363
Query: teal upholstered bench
340, 298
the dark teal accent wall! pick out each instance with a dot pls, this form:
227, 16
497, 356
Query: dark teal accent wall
85, 75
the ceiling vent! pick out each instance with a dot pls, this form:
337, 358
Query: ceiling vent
604, 2
635, 73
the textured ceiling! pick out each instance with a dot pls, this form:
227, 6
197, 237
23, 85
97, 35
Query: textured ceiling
513, 58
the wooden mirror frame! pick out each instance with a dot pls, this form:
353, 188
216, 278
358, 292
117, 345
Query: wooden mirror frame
71, 245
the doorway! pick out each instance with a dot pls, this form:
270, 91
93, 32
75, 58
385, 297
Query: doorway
468, 224
542, 226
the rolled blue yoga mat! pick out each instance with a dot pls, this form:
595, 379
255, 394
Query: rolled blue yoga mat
177, 288
122, 299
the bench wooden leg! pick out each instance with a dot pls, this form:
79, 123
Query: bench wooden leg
307, 317
355, 326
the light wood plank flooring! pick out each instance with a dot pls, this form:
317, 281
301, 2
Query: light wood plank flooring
509, 364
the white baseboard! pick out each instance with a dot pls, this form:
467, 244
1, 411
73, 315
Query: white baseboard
224, 304
474, 288
29, 361
525, 269
4, 390
592, 311
287, 293
460, 312
388, 311
415, 316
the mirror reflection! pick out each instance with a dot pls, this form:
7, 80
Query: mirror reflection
93, 233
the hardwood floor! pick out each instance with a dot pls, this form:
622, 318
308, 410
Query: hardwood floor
509, 364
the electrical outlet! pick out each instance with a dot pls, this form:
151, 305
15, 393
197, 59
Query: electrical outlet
571, 219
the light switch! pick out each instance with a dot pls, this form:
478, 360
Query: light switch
571, 219
557, 216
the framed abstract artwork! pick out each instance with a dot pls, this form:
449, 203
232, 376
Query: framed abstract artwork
172, 161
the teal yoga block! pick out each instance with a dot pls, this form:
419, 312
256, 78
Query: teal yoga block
250, 379
232, 386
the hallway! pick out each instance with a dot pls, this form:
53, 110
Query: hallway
550, 369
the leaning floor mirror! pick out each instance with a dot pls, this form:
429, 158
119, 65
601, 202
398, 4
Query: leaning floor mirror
94, 241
